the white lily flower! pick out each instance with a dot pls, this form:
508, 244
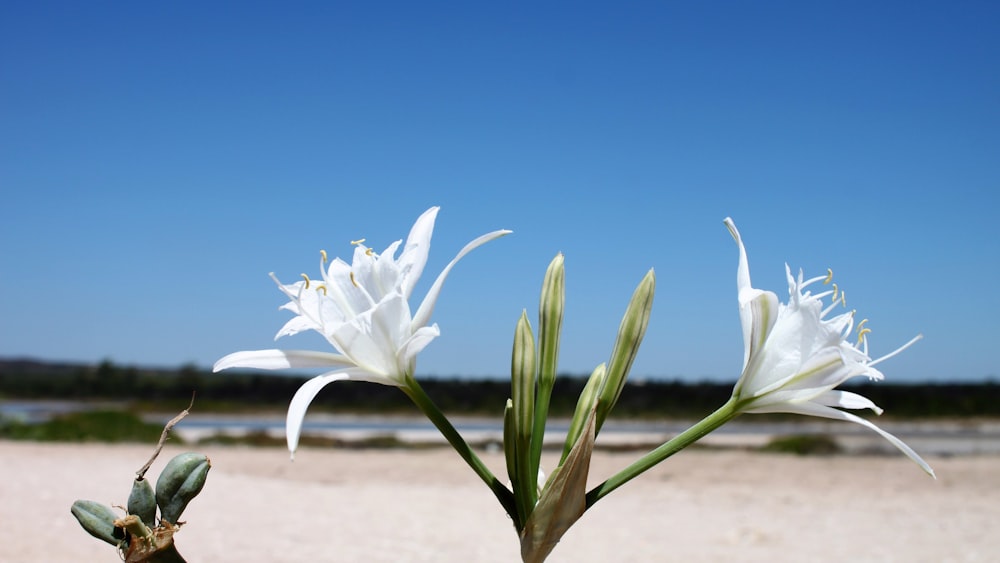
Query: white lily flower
794, 356
363, 311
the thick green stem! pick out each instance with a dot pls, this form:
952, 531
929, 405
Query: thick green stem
724, 414
420, 398
542, 396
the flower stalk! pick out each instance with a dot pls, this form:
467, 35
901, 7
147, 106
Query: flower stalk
416, 393
721, 416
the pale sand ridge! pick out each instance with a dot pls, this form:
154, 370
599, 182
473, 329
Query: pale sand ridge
394, 505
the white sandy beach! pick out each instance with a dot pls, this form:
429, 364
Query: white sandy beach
394, 505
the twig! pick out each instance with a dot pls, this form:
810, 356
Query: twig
163, 438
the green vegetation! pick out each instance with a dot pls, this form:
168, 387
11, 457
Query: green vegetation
263, 439
170, 390
803, 444
85, 426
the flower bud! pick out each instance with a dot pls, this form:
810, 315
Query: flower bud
180, 481
584, 405
99, 521
142, 501
522, 383
630, 334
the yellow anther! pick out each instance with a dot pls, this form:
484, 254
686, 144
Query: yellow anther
843, 299
305, 277
357, 242
836, 291
862, 333
321, 287
354, 281
861, 325
323, 254
370, 252
829, 276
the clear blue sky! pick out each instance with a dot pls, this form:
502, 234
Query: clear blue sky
158, 160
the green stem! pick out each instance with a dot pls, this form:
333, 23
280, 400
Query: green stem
724, 414
542, 397
420, 398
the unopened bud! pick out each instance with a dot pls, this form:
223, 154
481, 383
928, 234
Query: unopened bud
180, 481
99, 520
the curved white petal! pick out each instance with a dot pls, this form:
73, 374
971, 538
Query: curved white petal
758, 317
296, 325
418, 246
417, 342
423, 315
814, 409
307, 392
823, 369
846, 400
300, 402
758, 310
281, 359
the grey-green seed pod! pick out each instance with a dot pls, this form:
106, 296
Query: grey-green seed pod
142, 501
99, 520
180, 481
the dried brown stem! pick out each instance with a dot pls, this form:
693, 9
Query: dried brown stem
163, 438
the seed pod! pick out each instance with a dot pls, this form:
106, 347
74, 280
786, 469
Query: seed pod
99, 520
142, 501
181, 480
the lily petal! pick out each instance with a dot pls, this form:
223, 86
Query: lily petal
300, 402
758, 309
813, 409
281, 359
423, 315
846, 400
418, 246
307, 392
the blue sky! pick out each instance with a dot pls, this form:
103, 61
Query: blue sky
157, 161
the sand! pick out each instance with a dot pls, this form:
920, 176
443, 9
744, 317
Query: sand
394, 505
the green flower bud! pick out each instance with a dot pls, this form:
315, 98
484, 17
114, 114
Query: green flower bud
180, 481
522, 376
99, 521
630, 333
142, 501
522, 383
550, 318
584, 405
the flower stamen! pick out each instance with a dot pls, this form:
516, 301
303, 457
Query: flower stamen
357, 242
862, 333
354, 281
837, 300
323, 254
305, 277
829, 277
897, 350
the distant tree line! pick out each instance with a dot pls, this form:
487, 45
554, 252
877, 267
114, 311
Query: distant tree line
167, 389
